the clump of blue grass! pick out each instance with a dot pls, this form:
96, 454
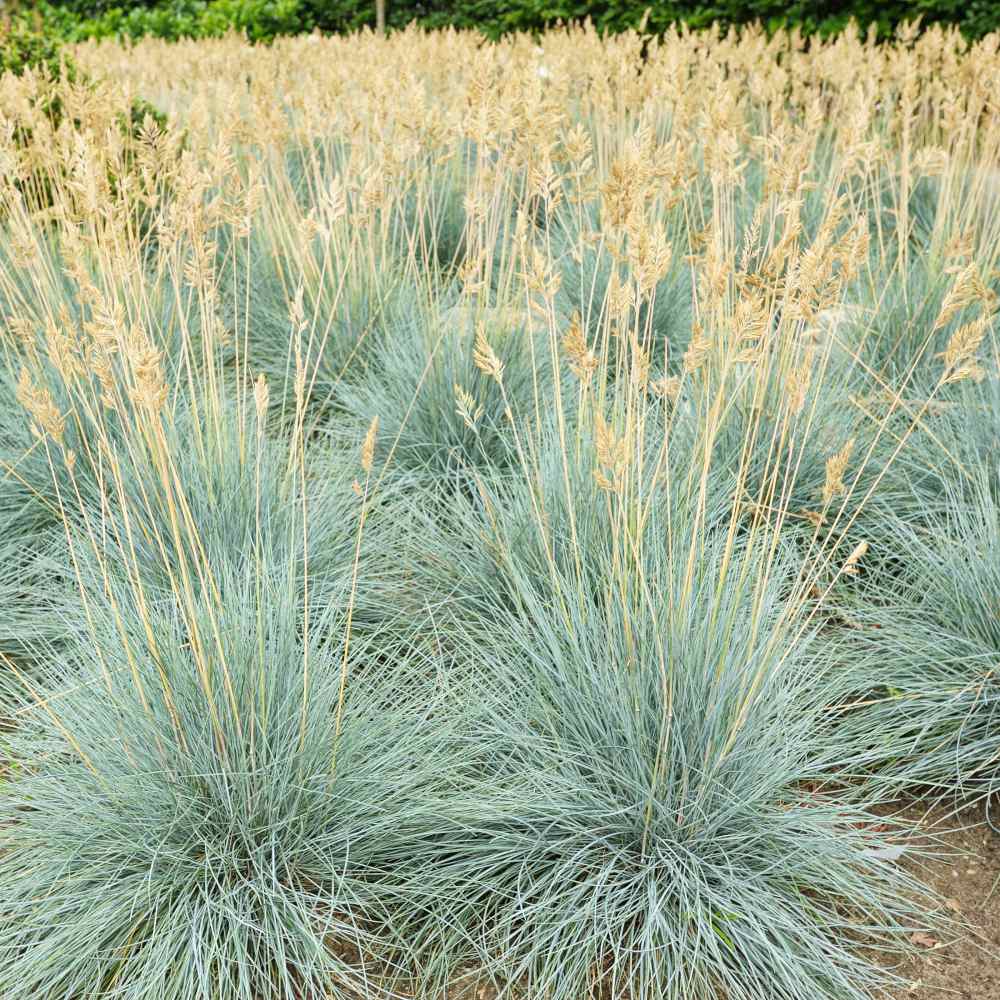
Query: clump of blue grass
924, 651
441, 417
35, 584
100, 465
428, 224
47, 348
171, 500
238, 495
662, 323
656, 821
892, 321
934, 443
817, 476
199, 488
346, 309
954, 441
217, 805
775, 464
425, 223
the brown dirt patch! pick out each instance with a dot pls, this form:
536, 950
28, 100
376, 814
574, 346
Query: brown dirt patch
965, 966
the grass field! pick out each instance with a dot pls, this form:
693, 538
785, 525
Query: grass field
494, 519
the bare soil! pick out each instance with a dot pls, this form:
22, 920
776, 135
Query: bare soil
965, 966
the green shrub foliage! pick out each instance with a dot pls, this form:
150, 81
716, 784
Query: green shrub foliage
264, 19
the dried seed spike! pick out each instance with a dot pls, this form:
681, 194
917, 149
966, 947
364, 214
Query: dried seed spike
603, 481
850, 567
467, 408
961, 294
299, 384
296, 311
610, 449
603, 441
43, 411
698, 349
368, 447
261, 394
836, 466
484, 357
797, 385
667, 387
959, 356
639, 374
150, 388
961, 246
815, 518
61, 350
582, 360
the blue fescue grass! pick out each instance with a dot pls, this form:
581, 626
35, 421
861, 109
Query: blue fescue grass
263, 805
927, 645
663, 324
198, 838
659, 822
427, 224
347, 313
441, 418
954, 448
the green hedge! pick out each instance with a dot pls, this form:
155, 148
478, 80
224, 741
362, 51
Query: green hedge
22, 48
976, 17
264, 19
260, 20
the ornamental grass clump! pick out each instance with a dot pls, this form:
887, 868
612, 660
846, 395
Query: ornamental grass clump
312, 307
954, 447
447, 390
254, 826
220, 723
663, 825
927, 646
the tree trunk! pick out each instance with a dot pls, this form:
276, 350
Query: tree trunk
380, 16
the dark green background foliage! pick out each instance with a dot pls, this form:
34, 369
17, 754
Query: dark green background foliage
22, 46
264, 19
